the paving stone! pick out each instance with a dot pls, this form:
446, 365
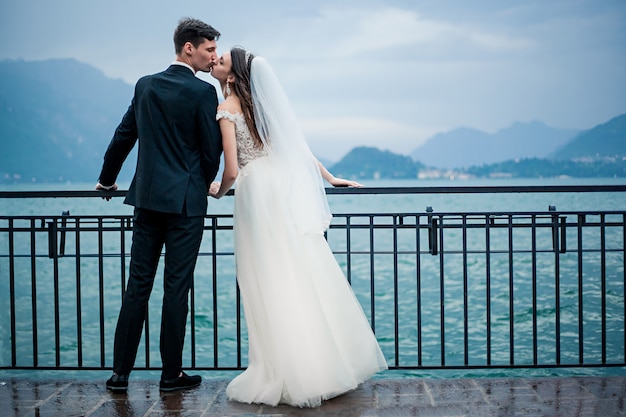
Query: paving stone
484, 397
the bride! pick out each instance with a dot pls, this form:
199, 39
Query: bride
308, 337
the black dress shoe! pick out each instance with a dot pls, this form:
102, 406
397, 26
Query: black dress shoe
118, 383
182, 382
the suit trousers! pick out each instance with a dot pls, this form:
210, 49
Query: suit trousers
181, 236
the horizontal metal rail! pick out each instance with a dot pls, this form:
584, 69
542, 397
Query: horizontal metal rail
364, 190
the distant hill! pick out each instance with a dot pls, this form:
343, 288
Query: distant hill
56, 120
372, 163
605, 140
464, 147
551, 168
367, 162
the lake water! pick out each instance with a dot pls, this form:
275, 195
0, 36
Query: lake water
411, 203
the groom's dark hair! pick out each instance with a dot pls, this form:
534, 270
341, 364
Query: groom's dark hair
194, 31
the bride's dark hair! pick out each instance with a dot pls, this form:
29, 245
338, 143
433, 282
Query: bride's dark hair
241, 87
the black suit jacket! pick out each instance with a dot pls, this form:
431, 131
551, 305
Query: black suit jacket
172, 114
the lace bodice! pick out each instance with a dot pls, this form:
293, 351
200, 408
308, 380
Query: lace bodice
247, 150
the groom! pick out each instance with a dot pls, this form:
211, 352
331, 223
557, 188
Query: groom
172, 115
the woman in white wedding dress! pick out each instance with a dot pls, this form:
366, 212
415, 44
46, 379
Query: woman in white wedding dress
309, 339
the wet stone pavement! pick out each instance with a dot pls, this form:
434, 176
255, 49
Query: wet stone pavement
572, 396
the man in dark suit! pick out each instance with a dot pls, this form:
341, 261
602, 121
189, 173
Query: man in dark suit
172, 115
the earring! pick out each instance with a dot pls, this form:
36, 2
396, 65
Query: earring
227, 88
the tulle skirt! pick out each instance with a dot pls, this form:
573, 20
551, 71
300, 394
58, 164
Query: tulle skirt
309, 339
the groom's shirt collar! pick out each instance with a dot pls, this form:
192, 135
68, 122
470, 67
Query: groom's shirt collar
182, 64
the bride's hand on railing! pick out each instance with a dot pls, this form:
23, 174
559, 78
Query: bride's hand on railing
214, 189
335, 181
341, 182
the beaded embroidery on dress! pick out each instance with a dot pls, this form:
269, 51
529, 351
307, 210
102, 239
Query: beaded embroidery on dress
247, 150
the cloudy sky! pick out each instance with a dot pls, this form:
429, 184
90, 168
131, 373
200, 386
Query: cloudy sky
379, 73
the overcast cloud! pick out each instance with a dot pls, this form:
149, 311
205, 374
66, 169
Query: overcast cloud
388, 74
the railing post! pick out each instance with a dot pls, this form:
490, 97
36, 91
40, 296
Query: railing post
432, 232
65, 214
56, 249
559, 224
13, 313
52, 239
555, 229
563, 227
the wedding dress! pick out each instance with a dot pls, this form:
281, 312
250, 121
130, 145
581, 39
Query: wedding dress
309, 339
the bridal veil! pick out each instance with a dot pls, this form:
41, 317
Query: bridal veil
287, 147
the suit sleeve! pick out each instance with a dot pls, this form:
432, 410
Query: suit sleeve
210, 136
123, 141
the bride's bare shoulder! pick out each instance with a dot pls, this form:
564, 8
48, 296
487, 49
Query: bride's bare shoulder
231, 105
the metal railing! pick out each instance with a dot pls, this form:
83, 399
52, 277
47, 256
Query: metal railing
442, 290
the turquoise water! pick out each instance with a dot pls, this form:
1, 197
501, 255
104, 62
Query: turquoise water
360, 272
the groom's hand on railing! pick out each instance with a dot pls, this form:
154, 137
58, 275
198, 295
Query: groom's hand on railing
100, 187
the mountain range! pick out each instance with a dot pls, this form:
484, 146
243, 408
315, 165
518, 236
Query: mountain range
56, 120
464, 147
58, 116
606, 140
524, 141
